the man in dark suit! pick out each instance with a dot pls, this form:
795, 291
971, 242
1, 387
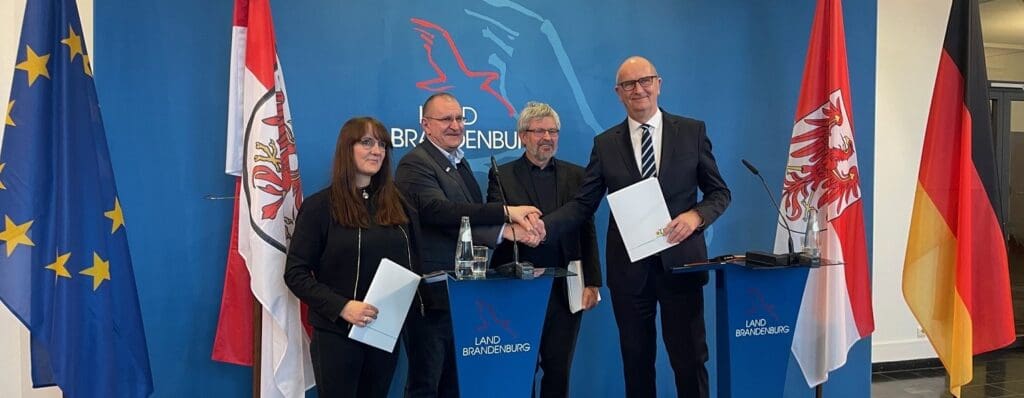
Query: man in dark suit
540, 180
676, 150
439, 184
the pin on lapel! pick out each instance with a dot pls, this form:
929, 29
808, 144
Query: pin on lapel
447, 169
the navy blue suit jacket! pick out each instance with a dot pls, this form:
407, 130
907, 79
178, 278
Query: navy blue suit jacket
686, 165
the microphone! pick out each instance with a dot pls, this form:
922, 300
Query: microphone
772, 259
522, 270
751, 168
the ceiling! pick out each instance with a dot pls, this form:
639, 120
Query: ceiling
1002, 24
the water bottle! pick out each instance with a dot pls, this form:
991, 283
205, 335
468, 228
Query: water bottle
464, 251
810, 244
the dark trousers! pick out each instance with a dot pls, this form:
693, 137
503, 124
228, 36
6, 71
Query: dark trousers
430, 346
346, 368
682, 327
558, 343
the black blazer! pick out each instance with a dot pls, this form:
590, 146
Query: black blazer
441, 197
580, 243
686, 165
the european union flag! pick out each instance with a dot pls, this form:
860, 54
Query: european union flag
65, 271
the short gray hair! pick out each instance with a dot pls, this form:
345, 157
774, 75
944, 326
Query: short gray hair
533, 111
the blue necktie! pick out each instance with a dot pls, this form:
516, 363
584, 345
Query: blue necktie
646, 152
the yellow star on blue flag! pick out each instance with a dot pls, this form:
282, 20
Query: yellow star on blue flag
100, 271
59, 266
57, 197
34, 65
15, 234
74, 43
9, 121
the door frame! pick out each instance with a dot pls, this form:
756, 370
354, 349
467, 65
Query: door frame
1001, 94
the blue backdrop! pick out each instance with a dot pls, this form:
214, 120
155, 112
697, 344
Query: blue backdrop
161, 73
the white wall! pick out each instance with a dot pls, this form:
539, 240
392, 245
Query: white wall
15, 372
910, 34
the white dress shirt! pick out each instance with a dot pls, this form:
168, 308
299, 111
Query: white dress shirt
635, 135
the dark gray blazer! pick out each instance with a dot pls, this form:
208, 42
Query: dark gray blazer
580, 244
438, 193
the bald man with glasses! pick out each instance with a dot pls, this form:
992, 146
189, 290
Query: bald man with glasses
675, 150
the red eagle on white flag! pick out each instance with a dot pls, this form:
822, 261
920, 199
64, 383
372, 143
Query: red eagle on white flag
822, 181
261, 152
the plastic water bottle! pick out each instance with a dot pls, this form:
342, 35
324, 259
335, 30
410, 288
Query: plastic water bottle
464, 251
810, 243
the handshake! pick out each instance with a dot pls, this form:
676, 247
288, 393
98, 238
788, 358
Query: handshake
525, 225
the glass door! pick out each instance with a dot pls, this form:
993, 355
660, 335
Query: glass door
1007, 101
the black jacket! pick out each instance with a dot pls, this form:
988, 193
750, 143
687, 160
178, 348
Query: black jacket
578, 244
322, 269
441, 197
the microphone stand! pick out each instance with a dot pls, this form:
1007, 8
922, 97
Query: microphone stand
520, 269
792, 258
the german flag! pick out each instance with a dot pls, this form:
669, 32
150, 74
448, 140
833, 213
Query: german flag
955, 275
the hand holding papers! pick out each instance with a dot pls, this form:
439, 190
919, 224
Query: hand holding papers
391, 291
641, 213
575, 287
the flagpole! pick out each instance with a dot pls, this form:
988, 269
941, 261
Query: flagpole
257, 340
817, 391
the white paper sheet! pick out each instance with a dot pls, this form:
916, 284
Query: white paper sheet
391, 291
574, 287
641, 213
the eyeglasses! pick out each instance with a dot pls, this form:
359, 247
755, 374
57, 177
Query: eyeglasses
447, 120
540, 132
368, 143
630, 85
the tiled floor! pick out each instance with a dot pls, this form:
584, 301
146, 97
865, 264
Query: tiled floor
1015, 252
996, 374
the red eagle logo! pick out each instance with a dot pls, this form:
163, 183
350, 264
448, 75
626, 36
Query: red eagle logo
823, 163
428, 32
274, 173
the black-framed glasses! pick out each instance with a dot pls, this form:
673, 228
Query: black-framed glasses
645, 82
541, 132
368, 143
447, 120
